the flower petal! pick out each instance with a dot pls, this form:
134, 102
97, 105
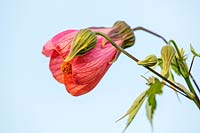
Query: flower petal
54, 65
88, 69
81, 74
59, 42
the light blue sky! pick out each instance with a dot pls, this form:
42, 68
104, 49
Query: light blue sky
32, 101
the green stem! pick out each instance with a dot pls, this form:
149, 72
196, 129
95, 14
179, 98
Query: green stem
187, 79
116, 46
176, 47
178, 89
196, 99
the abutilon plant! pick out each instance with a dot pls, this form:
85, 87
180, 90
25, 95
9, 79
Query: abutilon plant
80, 58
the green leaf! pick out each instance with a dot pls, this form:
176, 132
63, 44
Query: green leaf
155, 88
193, 51
131, 113
150, 107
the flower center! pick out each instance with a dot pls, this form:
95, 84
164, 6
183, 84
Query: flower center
66, 68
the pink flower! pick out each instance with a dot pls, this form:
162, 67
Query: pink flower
82, 73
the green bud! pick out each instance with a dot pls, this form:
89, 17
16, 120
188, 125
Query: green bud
84, 41
184, 69
180, 65
167, 54
193, 51
123, 30
149, 61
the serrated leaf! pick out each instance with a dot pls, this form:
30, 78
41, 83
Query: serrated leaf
155, 88
131, 113
151, 107
193, 51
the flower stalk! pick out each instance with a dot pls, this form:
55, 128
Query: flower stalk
151, 32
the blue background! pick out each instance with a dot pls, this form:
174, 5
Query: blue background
31, 101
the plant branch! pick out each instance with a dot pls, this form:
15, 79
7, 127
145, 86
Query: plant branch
187, 79
196, 100
195, 83
151, 32
136, 60
191, 63
176, 90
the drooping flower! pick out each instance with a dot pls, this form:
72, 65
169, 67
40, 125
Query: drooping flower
83, 72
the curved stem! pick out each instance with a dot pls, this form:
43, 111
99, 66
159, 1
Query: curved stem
151, 32
116, 46
176, 47
178, 89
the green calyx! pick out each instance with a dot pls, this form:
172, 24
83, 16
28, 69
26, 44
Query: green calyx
84, 41
149, 61
123, 31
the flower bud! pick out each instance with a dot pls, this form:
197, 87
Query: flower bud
167, 54
123, 30
84, 41
193, 51
180, 65
183, 69
149, 61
